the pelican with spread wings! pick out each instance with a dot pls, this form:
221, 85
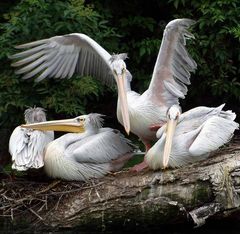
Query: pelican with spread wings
191, 136
26, 146
90, 152
62, 56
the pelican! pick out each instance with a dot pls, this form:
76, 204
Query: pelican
62, 56
26, 146
198, 133
90, 152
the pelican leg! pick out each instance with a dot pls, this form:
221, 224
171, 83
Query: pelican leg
139, 167
147, 146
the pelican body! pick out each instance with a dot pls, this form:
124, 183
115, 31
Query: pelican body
143, 114
170, 76
90, 152
26, 146
198, 132
62, 56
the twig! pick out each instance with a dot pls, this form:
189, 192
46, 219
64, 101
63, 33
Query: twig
12, 214
76, 190
46, 202
48, 187
8, 198
35, 213
56, 207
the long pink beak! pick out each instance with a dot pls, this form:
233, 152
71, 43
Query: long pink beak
171, 126
123, 102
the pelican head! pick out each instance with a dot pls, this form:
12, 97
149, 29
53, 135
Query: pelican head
173, 116
34, 115
117, 63
119, 71
78, 124
92, 121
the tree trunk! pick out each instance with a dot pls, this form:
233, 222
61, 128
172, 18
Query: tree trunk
189, 195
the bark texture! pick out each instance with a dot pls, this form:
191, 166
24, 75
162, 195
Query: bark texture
191, 195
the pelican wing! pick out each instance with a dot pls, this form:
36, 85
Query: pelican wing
18, 149
100, 148
26, 148
173, 66
195, 117
62, 56
216, 132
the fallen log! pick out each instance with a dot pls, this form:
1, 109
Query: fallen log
190, 195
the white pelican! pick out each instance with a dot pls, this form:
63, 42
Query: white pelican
198, 132
62, 56
26, 146
90, 152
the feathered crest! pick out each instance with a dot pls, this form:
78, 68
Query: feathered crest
122, 56
34, 115
96, 119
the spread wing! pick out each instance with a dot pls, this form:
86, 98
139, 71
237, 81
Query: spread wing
173, 66
62, 56
26, 148
100, 148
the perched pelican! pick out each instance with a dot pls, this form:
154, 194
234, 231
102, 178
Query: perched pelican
198, 132
90, 152
26, 146
62, 56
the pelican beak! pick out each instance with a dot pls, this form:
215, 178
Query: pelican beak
66, 125
123, 101
170, 129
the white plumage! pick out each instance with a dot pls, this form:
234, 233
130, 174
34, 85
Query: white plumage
199, 132
62, 56
81, 156
26, 146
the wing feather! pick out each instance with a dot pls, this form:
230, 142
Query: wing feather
62, 56
173, 65
26, 148
173, 90
28, 59
31, 66
29, 52
47, 72
67, 67
31, 44
100, 148
62, 67
194, 118
34, 71
215, 132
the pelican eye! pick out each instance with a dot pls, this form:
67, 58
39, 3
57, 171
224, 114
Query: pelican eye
79, 119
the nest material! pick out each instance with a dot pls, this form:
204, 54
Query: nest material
33, 200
